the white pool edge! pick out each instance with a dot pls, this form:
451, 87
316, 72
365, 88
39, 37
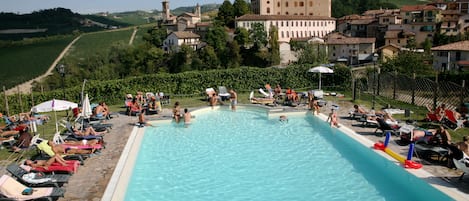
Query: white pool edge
117, 186
431, 179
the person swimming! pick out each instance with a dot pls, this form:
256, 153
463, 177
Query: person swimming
283, 118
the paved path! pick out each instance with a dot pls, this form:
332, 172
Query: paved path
90, 182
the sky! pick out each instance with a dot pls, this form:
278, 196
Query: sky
94, 6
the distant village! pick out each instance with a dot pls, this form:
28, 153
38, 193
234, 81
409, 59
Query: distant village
352, 39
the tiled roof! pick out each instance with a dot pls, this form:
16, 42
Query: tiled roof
418, 8
463, 63
185, 34
363, 21
461, 46
338, 38
251, 17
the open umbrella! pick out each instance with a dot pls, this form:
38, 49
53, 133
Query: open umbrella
320, 70
54, 105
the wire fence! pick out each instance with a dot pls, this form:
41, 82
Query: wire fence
417, 91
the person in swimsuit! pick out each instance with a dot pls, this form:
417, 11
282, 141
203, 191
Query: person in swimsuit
233, 99
46, 163
333, 118
187, 117
177, 112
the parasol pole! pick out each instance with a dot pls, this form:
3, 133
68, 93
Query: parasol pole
320, 81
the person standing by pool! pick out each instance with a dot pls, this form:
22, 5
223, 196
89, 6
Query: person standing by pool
176, 112
233, 99
333, 118
187, 117
213, 100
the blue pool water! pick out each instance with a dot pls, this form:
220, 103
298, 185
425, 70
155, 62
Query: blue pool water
244, 155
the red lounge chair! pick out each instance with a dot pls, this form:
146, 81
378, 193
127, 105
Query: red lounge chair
433, 117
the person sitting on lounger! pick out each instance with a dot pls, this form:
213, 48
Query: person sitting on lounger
45, 163
437, 137
464, 145
24, 140
101, 111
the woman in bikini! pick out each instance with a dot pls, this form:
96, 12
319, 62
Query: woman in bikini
177, 112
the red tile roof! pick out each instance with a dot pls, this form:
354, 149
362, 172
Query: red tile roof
338, 38
460, 46
185, 34
418, 8
251, 17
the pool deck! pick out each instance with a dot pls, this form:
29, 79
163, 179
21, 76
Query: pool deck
98, 174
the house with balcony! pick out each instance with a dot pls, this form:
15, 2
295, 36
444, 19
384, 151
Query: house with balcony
175, 40
451, 57
354, 50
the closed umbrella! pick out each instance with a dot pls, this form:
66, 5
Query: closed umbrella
86, 108
320, 70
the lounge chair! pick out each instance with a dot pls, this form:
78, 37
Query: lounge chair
385, 127
264, 101
460, 160
70, 168
37, 179
223, 93
11, 189
451, 121
428, 151
45, 152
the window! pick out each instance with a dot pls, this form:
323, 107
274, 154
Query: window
310, 3
302, 4
398, 41
286, 5
282, 23
282, 34
268, 2
268, 10
286, 13
278, 4
288, 34
296, 4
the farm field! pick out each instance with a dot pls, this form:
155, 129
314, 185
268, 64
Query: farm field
97, 43
20, 63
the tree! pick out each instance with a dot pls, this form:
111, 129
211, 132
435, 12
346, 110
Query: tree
409, 62
312, 53
209, 57
242, 36
226, 14
216, 37
232, 57
155, 36
240, 8
258, 36
274, 47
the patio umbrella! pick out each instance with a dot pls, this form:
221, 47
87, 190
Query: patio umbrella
54, 105
86, 108
320, 70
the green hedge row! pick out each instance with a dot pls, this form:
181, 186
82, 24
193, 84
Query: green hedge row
191, 83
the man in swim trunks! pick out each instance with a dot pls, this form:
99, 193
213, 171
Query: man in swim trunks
233, 99
187, 117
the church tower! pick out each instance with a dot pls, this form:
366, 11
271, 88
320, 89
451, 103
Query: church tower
197, 10
166, 13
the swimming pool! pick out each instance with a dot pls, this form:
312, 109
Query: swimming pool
245, 155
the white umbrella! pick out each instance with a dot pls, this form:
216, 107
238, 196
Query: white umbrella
54, 105
86, 107
320, 70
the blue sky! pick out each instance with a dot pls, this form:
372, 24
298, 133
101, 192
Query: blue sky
94, 6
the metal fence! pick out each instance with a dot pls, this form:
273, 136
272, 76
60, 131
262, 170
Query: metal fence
417, 91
